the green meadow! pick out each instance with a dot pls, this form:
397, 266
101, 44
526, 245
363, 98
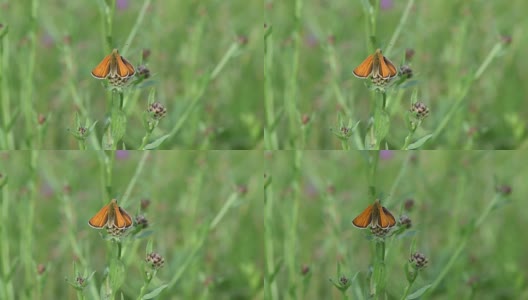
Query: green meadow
200, 211
465, 58
462, 210
202, 58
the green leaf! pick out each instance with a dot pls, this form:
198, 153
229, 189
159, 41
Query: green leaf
370, 140
14, 117
117, 274
381, 124
13, 270
143, 234
156, 143
414, 96
419, 142
105, 292
155, 292
151, 96
275, 272
419, 292
91, 128
149, 247
90, 276
118, 125
107, 142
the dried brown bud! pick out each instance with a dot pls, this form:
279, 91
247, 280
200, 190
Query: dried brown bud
305, 119
409, 54
145, 54
419, 110
158, 110
155, 260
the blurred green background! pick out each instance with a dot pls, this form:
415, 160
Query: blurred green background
314, 196
187, 40
450, 39
51, 195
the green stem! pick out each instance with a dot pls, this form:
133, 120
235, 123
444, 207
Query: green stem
109, 13
291, 98
291, 242
75, 95
367, 27
146, 283
119, 249
194, 102
8, 221
345, 145
462, 244
108, 167
407, 290
7, 115
373, 17
341, 99
144, 140
378, 276
28, 84
203, 234
270, 138
137, 24
381, 125
121, 96
80, 295
271, 289
228, 204
373, 159
399, 28
407, 141
400, 176
82, 144
464, 90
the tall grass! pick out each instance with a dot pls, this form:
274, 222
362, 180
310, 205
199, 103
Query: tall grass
465, 70
201, 58
199, 217
453, 210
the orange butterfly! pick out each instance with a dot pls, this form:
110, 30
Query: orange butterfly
114, 66
111, 216
375, 215
377, 66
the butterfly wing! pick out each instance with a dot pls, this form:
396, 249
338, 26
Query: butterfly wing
100, 219
102, 70
129, 67
365, 68
386, 219
387, 68
126, 217
364, 218
122, 218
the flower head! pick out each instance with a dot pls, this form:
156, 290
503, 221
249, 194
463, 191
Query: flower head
405, 221
419, 110
155, 260
418, 260
157, 110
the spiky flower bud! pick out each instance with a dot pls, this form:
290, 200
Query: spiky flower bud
157, 110
418, 260
155, 260
419, 110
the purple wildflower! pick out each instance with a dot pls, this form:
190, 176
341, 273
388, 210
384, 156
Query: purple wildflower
386, 4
